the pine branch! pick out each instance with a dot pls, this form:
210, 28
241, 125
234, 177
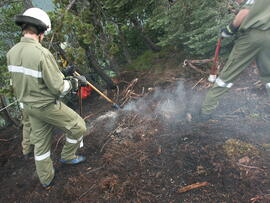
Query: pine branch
5, 2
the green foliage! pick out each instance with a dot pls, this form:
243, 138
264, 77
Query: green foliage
205, 25
193, 25
144, 61
9, 35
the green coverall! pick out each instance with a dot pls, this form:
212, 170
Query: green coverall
26, 143
39, 85
253, 44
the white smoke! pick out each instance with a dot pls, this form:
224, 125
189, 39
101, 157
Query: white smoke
108, 121
167, 103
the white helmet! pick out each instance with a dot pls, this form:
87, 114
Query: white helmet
35, 17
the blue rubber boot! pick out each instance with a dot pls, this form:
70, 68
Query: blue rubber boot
77, 160
47, 186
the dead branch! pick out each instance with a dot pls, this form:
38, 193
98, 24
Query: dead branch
199, 62
258, 198
130, 86
187, 63
88, 116
193, 186
94, 170
197, 83
250, 167
107, 141
242, 89
70, 5
124, 102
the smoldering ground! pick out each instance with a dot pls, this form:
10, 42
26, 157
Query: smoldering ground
169, 105
173, 104
150, 130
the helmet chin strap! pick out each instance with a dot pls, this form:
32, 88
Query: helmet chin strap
39, 38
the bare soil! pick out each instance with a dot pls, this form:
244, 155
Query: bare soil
143, 156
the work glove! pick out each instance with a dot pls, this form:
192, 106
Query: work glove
82, 82
75, 84
69, 70
229, 31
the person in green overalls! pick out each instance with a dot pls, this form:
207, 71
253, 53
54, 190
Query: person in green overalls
252, 24
39, 85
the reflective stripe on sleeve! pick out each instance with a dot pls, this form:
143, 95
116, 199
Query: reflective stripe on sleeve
26, 71
43, 156
221, 83
250, 2
67, 87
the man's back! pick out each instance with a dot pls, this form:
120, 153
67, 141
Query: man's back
31, 68
258, 17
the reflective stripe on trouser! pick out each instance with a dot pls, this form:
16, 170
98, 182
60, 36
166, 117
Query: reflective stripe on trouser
252, 45
26, 144
267, 86
43, 122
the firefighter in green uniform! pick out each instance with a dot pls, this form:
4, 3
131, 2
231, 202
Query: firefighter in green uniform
252, 23
39, 85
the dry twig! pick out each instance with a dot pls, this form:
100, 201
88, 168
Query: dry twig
83, 194
109, 136
188, 63
128, 93
250, 167
199, 62
258, 198
88, 116
197, 83
193, 186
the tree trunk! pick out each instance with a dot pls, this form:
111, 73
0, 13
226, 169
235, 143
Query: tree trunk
92, 62
27, 4
106, 39
124, 46
148, 41
91, 59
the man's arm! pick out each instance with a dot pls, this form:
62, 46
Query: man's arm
53, 77
232, 28
239, 18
